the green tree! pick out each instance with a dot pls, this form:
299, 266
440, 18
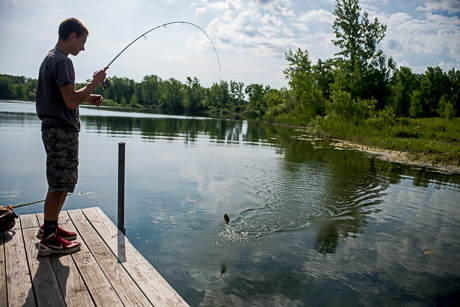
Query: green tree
173, 94
357, 37
434, 84
194, 94
256, 93
341, 103
133, 101
218, 96
324, 77
236, 93
275, 103
5, 89
305, 89
402, 85
416, 107
151, 87
224, 99
454, 80
446, 108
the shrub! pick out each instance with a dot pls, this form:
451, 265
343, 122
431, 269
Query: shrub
446, 108
416, 108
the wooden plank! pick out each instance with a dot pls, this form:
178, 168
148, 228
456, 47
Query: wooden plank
70, 281
19, 283
45, 283
128, 292
3, 297
154, 286
97, 284
29, 221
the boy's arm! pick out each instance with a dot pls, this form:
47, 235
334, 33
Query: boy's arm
73, 98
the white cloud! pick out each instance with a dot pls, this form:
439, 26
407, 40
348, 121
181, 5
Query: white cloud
422, 41
219, 5
278, 7
201, 11
249, 29
319, 15
450, 6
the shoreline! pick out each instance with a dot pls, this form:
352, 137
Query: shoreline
388, 155
396, 156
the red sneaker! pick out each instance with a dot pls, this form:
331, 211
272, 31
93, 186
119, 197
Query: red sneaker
56, 245
66, 235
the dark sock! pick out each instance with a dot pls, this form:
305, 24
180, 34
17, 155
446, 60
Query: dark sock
49, 227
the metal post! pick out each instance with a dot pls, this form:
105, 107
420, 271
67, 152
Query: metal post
121, 187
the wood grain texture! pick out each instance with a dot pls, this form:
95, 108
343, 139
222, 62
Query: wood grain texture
107, 271
155, 287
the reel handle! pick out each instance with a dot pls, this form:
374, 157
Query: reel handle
107, 82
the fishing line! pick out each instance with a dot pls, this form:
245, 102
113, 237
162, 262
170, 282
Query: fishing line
165, 25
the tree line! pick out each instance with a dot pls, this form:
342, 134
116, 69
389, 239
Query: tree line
359, 82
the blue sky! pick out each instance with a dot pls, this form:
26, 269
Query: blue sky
251, 36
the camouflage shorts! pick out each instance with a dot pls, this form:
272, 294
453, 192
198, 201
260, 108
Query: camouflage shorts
61, 146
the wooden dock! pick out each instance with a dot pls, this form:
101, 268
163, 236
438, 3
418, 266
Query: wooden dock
107, 271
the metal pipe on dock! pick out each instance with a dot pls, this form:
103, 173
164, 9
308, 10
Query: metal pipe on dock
121, 187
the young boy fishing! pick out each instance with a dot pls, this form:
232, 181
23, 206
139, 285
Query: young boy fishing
57, 103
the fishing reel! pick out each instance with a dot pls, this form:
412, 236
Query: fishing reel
107, 82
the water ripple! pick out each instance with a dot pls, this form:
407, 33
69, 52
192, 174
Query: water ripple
291, 200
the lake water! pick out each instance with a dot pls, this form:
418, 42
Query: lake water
310, 225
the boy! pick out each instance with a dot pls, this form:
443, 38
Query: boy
57, 104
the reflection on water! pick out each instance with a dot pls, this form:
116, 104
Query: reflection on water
186, 128
309, 224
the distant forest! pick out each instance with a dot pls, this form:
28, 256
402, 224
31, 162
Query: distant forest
360, 82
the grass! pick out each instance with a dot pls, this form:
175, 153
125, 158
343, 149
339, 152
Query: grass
435, 140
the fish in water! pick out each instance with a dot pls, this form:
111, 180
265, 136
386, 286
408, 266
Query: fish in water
226, 218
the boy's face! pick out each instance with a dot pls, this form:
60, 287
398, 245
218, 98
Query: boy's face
78, 43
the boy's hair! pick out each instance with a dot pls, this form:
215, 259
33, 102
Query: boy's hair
71, 25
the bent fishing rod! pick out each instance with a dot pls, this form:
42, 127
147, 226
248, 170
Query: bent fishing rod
108, 81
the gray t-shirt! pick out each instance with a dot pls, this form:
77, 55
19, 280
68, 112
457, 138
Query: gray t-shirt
56, 70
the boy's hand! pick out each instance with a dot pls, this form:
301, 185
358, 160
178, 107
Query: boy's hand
99, 76
95, 99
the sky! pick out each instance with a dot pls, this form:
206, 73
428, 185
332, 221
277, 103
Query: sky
251, 37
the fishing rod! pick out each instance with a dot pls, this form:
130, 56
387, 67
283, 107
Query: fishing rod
31, 203
22, 205
108, 81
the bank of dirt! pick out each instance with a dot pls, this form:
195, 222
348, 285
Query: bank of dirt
387, 155
382, 154
398, 157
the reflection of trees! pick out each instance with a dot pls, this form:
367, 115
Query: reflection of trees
174, 127
327, 238
350, 185
189, 128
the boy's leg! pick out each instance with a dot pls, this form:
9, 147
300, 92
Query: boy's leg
52, 208
50, 225
52, 242
53, 205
